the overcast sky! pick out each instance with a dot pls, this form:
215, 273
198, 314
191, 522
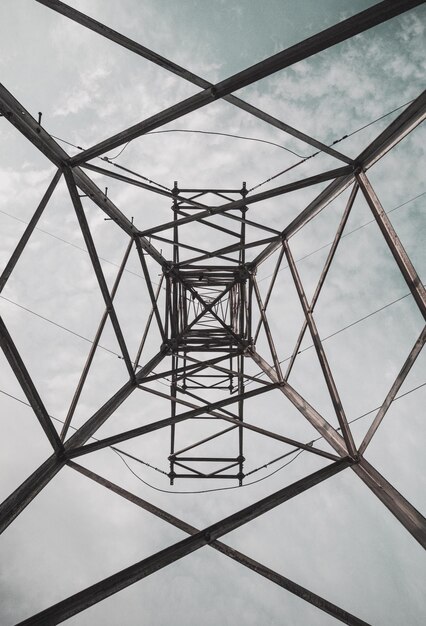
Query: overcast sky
337, 539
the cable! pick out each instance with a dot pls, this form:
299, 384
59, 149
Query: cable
68, 330
70, 243
314, 154
233, 136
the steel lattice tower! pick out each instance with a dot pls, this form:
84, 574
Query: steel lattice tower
211, 316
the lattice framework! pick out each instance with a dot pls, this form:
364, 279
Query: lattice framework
210, 298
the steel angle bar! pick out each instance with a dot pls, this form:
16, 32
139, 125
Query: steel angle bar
409, 362
128, 576
84, 226
202, 441
406, 122
237, 247
148, 428
237, 556
226, 417
268, 295
18, 367
186, 368
28, 231
330, 435
185, 246
267, 329
149, 287
397, 249
137, 48
407, 515
323, 276
148, 324
94, 346
317, 43
322, 358
28, 490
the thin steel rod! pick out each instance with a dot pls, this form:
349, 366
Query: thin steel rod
409, 362
99, 591
267, 329
237, 247
94, 346
149, 287
148, 324
268, 295
185, 246
322, 358
84, 226
324, 273
401, 257
24, 379
28, 231
205, 440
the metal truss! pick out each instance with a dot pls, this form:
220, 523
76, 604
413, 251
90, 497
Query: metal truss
207, 325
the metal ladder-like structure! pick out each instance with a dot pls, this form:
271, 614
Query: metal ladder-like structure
206, 326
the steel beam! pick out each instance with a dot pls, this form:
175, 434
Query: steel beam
16, 363
414, 353
27, 491
87, 235
323, 276
401, 257
28, 231
322, 357
128, 576
94, 346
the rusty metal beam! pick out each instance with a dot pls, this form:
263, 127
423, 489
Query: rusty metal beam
401, 257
